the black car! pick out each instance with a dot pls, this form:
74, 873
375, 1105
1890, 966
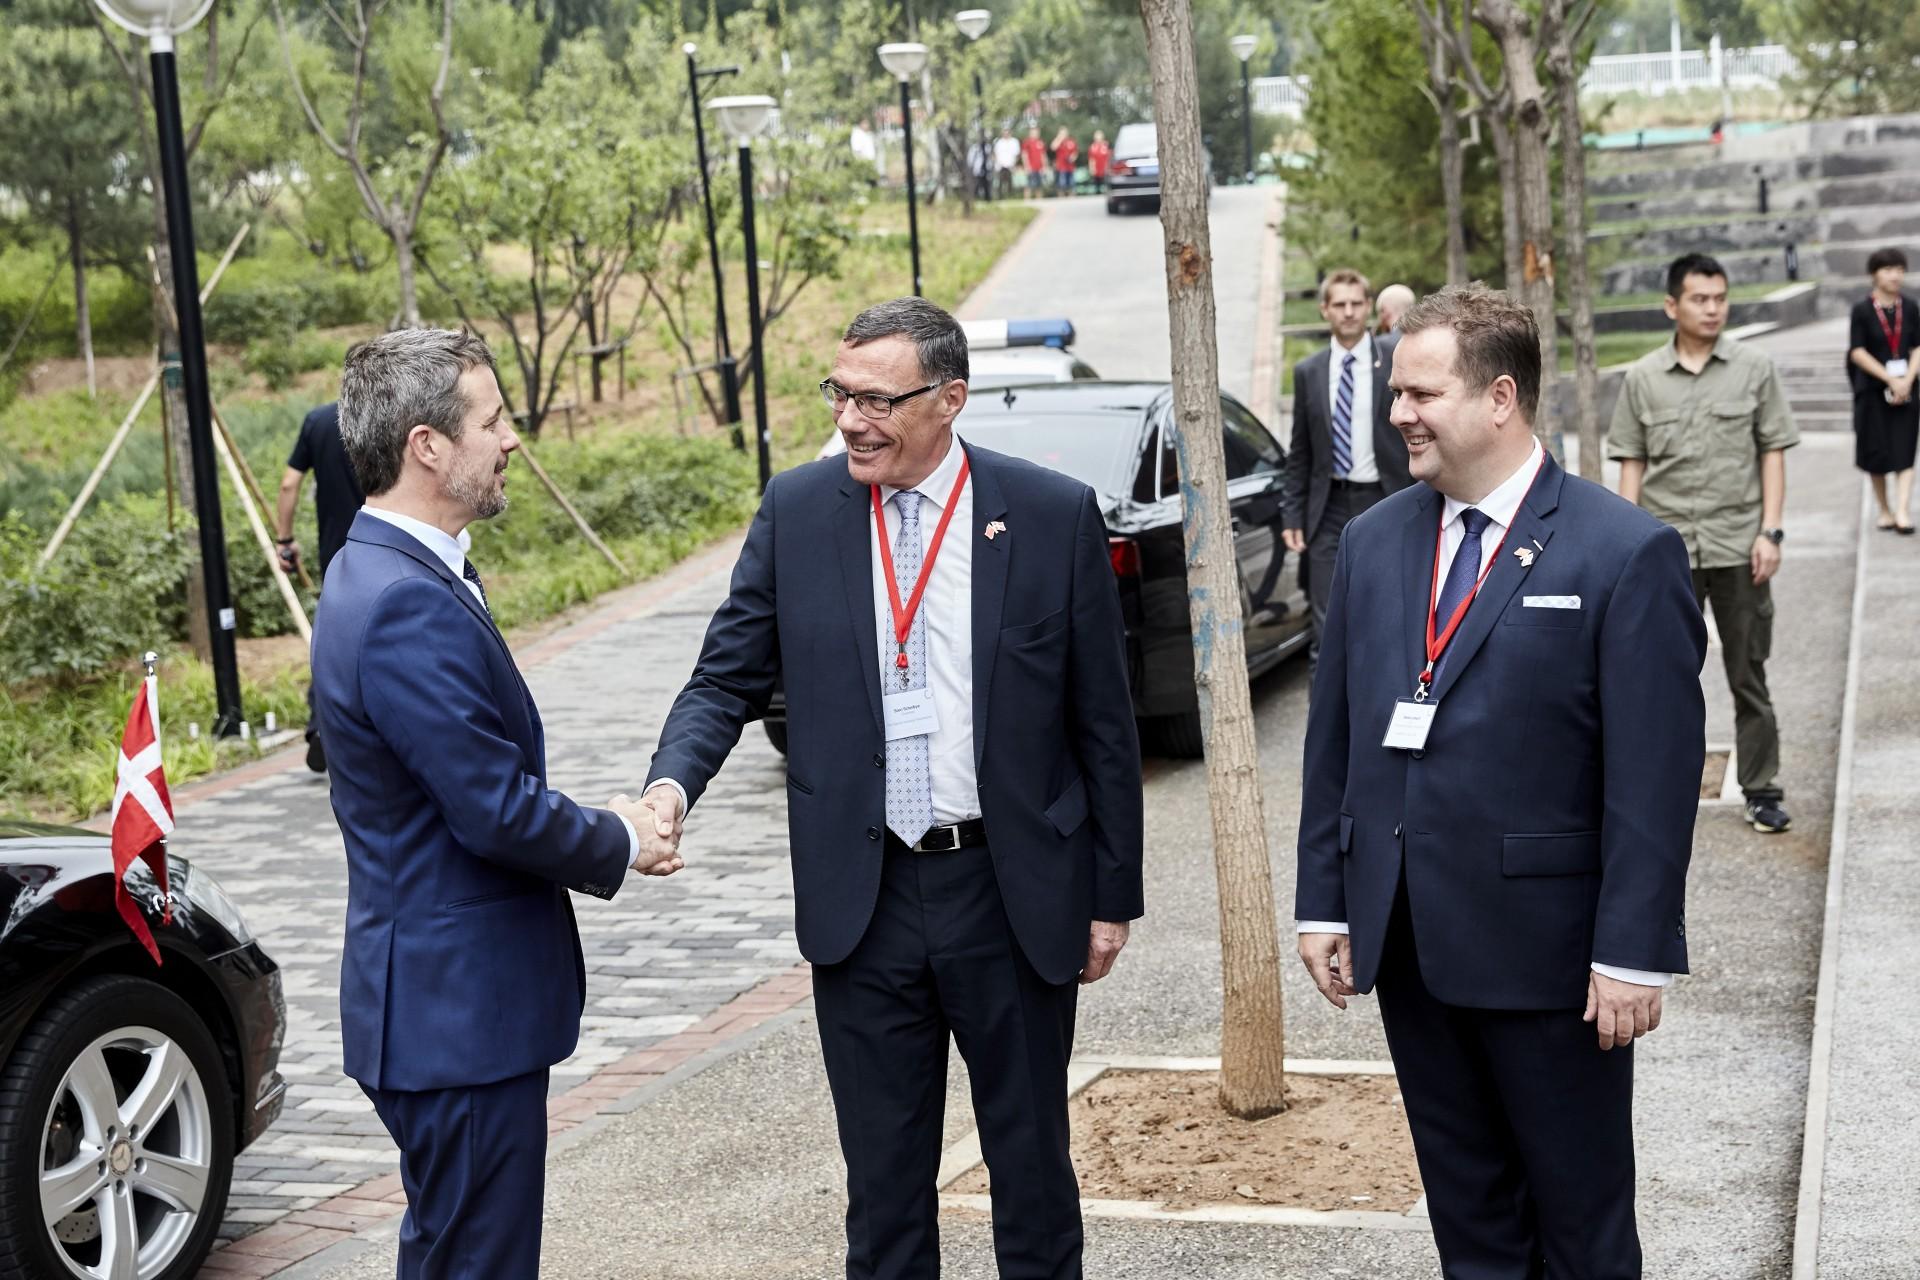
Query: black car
1114, 437
126, 1088
1134, 178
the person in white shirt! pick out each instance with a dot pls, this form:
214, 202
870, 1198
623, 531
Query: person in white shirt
1006, 159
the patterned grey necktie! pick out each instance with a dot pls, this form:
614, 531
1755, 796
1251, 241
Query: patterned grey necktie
909, 767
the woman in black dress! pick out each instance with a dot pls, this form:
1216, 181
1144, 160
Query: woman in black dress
1886, 413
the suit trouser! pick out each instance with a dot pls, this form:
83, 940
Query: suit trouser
1344, 502
1523, 1128
1743, 615
473, 1162
940, 957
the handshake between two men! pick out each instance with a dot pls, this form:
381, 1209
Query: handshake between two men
659, 823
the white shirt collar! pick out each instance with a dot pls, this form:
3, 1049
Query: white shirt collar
937, 486
1503, 504
451, 551
1362, 351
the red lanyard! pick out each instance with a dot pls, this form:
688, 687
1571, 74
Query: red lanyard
1893, 334
903, 614
1437, 645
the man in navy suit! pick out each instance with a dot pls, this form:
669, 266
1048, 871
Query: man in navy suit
1345, 456
1502, 769
462, 980
963, 783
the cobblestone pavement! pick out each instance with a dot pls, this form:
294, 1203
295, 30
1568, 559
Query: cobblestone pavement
661, 957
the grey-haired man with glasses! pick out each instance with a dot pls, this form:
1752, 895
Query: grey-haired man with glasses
963, 783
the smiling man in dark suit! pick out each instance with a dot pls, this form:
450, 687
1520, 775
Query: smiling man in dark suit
1345, 455
462, 980
963, 783
1502, 767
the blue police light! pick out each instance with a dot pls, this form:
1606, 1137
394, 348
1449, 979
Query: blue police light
989, 334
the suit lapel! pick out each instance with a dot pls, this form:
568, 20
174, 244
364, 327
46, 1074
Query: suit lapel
852, 534
1419, 536
372, 529
1320, 401
1530, 529
990, 562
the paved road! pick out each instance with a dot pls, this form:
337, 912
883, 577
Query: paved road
1107, 274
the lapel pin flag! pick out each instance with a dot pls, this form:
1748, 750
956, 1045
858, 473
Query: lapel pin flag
1525, 556
142, 810
994, 527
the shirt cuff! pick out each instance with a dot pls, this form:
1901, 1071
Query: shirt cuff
680, 790
1320, 926
1639, 977
633, 841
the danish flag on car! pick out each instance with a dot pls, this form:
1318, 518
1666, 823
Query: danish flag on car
142, 811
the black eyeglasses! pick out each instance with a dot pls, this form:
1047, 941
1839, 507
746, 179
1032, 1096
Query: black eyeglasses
870, 403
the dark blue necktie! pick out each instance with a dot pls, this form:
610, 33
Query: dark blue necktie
1461, 575
1343, 421
472, 575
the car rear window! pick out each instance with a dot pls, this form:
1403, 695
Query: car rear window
1095, 449
1136, 140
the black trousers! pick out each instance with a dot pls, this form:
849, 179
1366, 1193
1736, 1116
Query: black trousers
940, 958
1523, 1128
474, 1164
1344, 502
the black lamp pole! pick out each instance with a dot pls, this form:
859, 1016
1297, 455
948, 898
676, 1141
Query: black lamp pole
192, 371
759, 369
1246, 117
729, 370
913, 204
986, 143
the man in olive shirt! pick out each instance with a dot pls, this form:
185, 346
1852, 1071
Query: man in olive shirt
1701, 432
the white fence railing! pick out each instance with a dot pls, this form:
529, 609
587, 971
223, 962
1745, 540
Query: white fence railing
1653, 74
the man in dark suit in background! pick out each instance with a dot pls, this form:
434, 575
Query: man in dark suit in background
462, 981
963, 783
1345, 455
1502, 766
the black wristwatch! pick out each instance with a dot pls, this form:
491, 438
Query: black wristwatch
1775, 536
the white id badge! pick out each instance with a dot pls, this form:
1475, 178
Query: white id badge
1896, 368
1407, 730
910, 713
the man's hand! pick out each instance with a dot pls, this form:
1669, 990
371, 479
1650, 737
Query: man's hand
1295, 540
1621, 1012
657, 823
289, 553
1766, 559
1329, 958
1104, 941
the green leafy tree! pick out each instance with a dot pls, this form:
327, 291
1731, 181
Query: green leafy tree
1856, 57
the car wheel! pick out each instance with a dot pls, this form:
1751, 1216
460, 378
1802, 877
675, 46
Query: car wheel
777, 734
1179, 735
116, 1137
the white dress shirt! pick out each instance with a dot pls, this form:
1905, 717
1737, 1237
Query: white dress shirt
948, 605
452, 552
1364, 469
1006, 153
1500, 507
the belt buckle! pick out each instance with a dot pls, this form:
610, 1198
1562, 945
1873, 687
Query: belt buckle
952, 842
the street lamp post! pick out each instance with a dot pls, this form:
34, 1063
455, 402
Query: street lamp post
729, 371
973, 24
159, 21
744, 117
906, 61
1243, 47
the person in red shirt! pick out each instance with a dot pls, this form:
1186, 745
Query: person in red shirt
1066, 154
1033, 153
1099, 157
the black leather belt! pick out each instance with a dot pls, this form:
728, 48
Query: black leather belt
958, 835
1338, 483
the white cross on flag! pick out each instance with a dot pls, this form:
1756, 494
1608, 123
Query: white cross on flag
142, 813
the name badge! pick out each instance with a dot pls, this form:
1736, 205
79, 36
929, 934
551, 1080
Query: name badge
1411, 722
910, 713
1896, 368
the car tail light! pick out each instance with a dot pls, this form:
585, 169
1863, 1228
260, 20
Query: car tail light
1125, 556
1121, 169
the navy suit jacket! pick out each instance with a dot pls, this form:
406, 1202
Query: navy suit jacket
1548, 822
462, 962
1054, 744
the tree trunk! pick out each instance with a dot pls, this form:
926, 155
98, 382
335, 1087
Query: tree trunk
1502, 138
1252, 1041
82, 312
1573, 214
402, 236
1453, 164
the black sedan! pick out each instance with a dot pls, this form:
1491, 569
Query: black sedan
1116, 438
126, 1088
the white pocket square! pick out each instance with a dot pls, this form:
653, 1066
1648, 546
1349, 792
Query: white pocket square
1551, 602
